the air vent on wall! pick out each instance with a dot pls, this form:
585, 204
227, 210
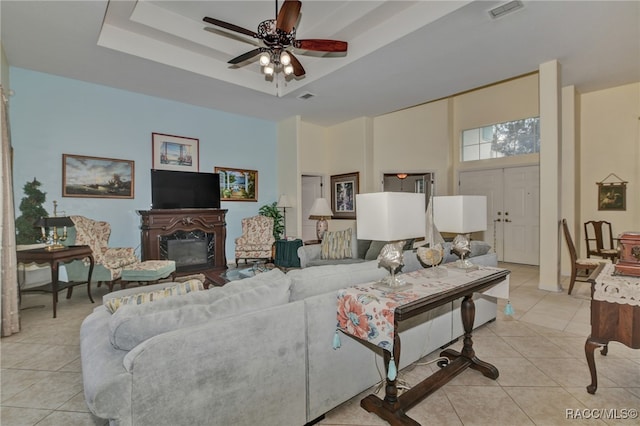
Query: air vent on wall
306, 95
506, 8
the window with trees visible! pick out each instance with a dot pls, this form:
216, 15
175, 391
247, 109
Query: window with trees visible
506, 139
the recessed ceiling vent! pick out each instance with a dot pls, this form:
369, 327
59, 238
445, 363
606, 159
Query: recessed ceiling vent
306, 95
506, 8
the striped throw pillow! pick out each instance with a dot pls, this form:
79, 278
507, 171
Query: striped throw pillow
145, 297
336, 245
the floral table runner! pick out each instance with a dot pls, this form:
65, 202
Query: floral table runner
367, 312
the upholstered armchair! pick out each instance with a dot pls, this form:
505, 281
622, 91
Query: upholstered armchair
108, 261
256, 240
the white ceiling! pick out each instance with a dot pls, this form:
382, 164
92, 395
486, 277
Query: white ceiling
401, 53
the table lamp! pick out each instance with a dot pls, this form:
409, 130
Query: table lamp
284, 202
54, 222
392, 217
461, 214
320, 210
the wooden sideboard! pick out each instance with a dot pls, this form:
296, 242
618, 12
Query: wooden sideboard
159, 224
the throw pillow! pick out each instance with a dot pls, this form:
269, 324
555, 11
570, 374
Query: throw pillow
336, 245
112, 305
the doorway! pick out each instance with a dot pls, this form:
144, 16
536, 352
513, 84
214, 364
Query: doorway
312, 186
513, 210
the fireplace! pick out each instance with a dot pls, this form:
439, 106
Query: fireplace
194, 238
189, 249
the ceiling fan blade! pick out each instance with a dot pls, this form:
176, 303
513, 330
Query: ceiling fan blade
230, 26
321, 45
288, 15
298, 70
246, 56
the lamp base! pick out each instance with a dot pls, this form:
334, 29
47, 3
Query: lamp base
392, 284
465, 265
321, 228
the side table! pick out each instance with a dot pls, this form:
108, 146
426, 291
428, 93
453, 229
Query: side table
615, 314
287, 253
54, 257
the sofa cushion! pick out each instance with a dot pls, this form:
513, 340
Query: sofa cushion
363, 247
374, 250
308, 282
132, 324
183, 288
337, 245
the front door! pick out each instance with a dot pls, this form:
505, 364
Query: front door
513, 198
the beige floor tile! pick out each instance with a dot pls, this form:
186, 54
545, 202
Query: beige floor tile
16, 416
548, 405
485, 405
520, 372
569, 372
536, 347
15, 381
49, 393
71, 418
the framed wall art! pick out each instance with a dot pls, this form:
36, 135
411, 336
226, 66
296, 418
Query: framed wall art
238, 184
175, 153
95, 177
344, 188
612, 195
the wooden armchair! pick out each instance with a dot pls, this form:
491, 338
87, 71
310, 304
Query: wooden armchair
257, 239
599, 238
109, 262
580, 268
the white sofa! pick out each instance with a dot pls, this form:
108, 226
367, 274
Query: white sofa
256, 351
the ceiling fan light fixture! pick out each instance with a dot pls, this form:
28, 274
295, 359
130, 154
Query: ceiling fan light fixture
288, 69
268, 70
265, 58
285, 59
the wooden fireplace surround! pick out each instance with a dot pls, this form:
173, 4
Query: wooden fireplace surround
160, 222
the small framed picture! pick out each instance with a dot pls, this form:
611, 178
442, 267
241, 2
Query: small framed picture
95, 177
612, 196
238, 184
175, 153
344, 188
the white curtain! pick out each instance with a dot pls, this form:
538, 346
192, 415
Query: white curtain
8, 270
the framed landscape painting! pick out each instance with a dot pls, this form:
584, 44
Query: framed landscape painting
176, 153
343, 195
238, 184
95, 177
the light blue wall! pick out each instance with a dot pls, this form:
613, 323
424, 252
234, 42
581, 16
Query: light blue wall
51, 116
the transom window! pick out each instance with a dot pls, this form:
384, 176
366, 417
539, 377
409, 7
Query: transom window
506, 139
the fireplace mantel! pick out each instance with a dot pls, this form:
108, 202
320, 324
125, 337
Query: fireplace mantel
162, 222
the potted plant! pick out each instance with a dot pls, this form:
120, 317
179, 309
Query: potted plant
272, 210
32, 210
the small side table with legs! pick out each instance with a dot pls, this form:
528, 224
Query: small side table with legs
54, 258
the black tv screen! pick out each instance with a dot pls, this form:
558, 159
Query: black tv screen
184, 190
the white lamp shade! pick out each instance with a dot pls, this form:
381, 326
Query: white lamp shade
283, 201
390, 216
320, 209
460, 214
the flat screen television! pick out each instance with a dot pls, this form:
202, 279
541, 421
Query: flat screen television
184, 190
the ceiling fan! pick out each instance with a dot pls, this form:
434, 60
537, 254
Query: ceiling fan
279, 37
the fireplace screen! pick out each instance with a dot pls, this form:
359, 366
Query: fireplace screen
188, 249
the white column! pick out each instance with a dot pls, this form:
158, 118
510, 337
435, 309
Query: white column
549, 83
569, 173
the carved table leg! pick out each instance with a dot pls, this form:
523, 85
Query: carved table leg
589, 347
468, 311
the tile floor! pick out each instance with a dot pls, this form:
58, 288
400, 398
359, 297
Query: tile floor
539, 353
